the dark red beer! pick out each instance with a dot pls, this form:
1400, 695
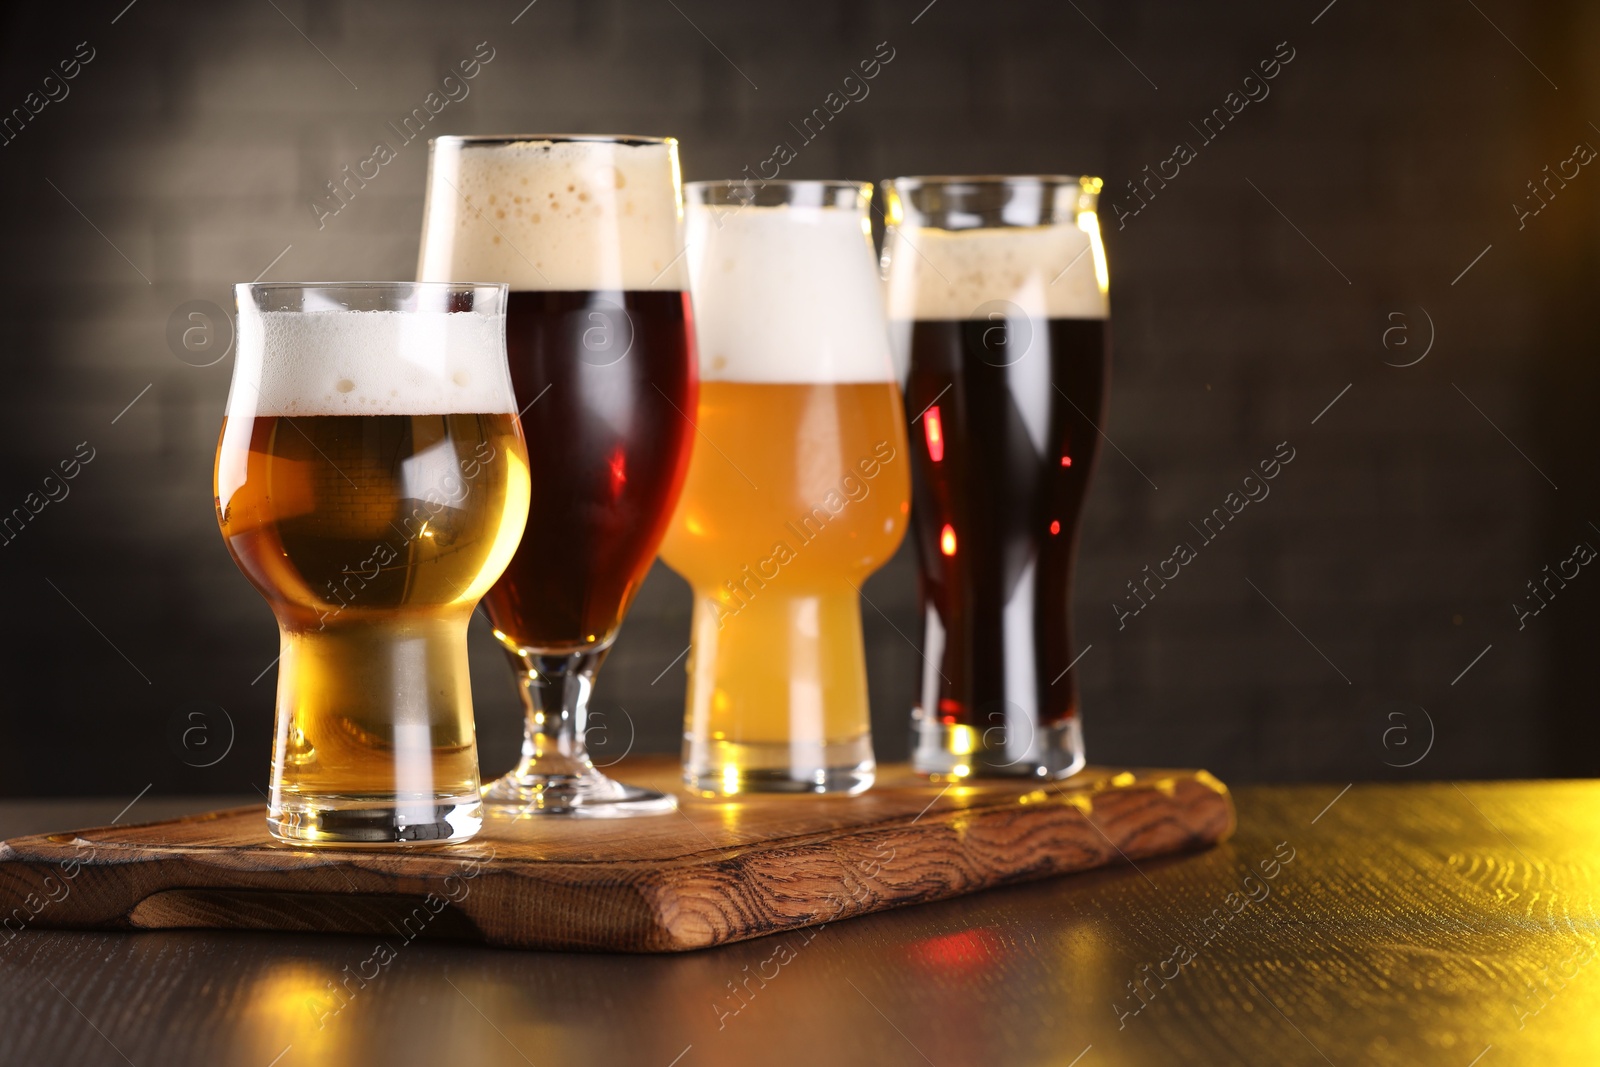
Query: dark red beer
606, 382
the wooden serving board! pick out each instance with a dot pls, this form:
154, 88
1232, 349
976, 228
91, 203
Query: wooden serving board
715, 872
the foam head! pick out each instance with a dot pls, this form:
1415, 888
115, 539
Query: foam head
341, 362
554, 214
786, 294
1050, 272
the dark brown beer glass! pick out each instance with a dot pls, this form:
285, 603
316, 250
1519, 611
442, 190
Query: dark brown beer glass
998, 309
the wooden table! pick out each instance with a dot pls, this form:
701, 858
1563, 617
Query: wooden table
1427, 924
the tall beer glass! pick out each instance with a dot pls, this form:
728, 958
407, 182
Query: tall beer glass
997, 300
587, 231
799, 493
371, 482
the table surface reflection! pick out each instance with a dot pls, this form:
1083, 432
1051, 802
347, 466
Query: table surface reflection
1386, 924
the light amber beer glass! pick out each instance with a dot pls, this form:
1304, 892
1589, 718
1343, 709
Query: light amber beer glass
798, 491
372, 483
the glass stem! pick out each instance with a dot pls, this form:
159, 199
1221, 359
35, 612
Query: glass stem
555, 690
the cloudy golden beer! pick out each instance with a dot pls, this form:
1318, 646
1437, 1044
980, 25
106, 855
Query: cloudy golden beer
797, 491
777, 626
372, 537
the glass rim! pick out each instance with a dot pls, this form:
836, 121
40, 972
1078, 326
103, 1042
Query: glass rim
363, 296
414, 286
827, 184
626, 139
918, 181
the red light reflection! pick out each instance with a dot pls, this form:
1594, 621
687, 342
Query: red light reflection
933, 430
963, 951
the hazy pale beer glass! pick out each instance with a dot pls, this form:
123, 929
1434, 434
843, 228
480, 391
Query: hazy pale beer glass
997, 301
588, 232
799, 491
371, 482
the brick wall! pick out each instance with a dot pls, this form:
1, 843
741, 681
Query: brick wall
1248, 294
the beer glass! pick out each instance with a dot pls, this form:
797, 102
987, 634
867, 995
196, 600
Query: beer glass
799, 493
998, 308
371, 482
587, 231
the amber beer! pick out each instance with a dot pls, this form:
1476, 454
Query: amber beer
371, 483
997, 298
798, 494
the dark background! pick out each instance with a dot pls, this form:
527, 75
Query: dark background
1246, 296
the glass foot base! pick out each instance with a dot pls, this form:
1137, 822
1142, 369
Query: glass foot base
728, 768
951, 751
586, 795
732, 781
305, 820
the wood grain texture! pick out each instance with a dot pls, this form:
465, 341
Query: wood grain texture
1415, 925
716, 872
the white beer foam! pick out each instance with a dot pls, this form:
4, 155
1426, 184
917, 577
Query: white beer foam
370, 363
786, 294
554, 215
1047, 271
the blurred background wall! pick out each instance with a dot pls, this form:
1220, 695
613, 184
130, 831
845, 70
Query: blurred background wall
1385, 202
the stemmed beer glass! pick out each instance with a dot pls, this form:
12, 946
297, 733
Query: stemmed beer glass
587, 231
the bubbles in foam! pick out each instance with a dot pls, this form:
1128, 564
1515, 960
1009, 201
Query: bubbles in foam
370, 363
554, 215
1047, 271
786, 294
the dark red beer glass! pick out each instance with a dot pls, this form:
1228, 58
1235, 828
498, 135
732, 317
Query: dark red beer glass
587, 231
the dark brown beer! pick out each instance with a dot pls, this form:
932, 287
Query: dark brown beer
996, 516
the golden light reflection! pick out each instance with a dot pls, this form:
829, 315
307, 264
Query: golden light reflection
677, 176
1089, 223
1082, 801
299, 1002
731, 814
894, 211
